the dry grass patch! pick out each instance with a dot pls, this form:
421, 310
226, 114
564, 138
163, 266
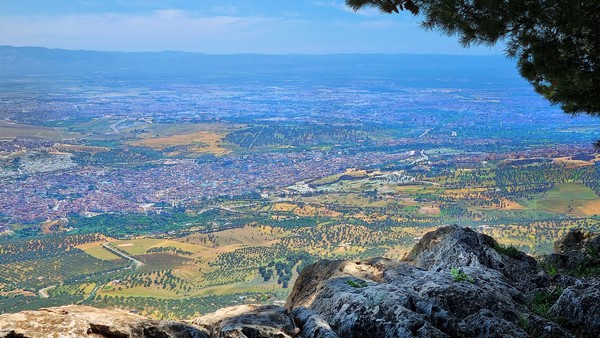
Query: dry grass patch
312, 211
198, 138
590, 208
285, 207
199, 142
571, 163
247, 235
96, 250
511, 205
430, 210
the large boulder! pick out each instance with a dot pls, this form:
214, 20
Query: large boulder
577, 252
577, 240
454, 283
311, 324
453, 246
382, 298
249, 321
578, 308
75, 321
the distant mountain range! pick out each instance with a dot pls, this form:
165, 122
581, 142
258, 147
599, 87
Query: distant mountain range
31, 61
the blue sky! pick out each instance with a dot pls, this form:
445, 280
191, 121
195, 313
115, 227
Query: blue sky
211, 26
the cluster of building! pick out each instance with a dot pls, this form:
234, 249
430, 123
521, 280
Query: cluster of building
91, 190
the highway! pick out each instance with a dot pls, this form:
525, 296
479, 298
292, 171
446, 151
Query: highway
138, 264
44, 292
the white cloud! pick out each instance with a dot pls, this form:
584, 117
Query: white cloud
162, 29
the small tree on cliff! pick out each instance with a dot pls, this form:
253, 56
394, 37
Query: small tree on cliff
556, 42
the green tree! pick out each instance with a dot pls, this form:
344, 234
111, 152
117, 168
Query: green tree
556, 42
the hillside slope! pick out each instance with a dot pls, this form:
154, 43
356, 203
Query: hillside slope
454, 283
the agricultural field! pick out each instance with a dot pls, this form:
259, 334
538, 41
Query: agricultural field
9, 130
574, 199
180, 140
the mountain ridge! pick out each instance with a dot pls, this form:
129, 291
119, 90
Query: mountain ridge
17, 61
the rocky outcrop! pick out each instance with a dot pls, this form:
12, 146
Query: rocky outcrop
452, 246
311, 324
454, 283
576, 252
578, 308
83, 321
249, 321
457, 296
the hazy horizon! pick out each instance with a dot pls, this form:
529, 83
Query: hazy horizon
499, 54
221, 27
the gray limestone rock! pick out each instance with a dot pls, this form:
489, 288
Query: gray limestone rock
578, 308
249, 321
311, 324
453, 247
75, 321
459, 286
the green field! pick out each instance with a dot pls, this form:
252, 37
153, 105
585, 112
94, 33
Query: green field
571, 198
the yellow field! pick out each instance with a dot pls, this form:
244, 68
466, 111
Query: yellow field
210, 142
577, 163
96, 250
141, 245
284, 207
199, 138
589, 208
311, 211
87, 288
512, 205
248, 235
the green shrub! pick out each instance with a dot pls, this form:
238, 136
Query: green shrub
543, 300
357, 284
523, 322
509, 251
460, 276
